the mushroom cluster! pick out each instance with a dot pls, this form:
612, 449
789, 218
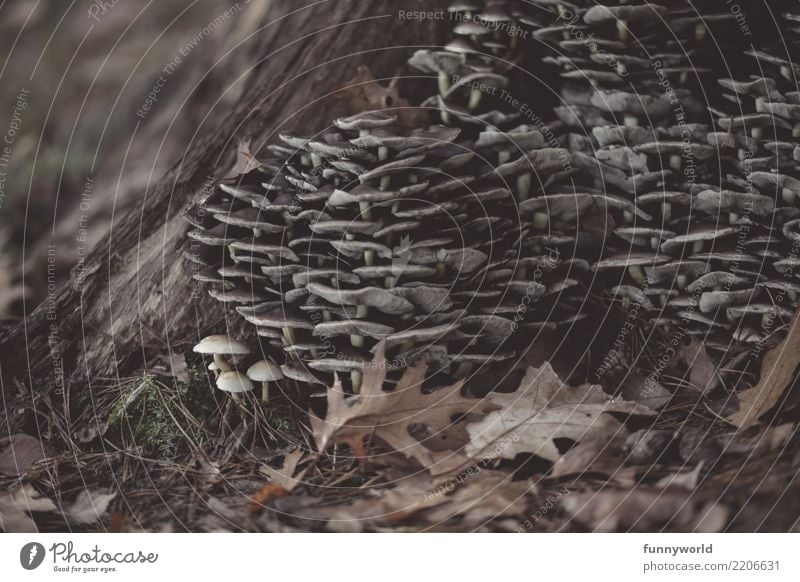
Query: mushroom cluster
475, 70
230, 380
374, 231
695, 189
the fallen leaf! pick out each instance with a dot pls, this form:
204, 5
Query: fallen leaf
589, 457
472, 501
645, 510
646, 391
176, 367
267, 493
19, 452
777, 373
685, 479
89, 507
286, 477
364, 93
16, 505
245, 161
702, 370
544, 409
390, 417
91, 431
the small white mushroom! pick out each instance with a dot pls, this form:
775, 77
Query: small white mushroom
218, 346
264, 372
234, 383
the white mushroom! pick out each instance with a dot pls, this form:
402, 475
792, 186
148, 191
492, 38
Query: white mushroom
218, 346
264, 372
234, 383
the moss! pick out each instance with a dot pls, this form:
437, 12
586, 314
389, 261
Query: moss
157, 417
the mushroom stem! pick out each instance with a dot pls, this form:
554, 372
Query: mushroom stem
666, 211
523, 185
788, 196
264, 391
366, 210
355, 379
474, 99
700, 32
236, 398
622, 31
631, 120
757, 133
464, 369
357, 341
540, 220
675, 163
503, 156
444, 82
681, 281
697, 246
733, 217
316, 160
221, 364
627, 216
369, 258
636, 273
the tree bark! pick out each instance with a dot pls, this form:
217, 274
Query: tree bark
133, 296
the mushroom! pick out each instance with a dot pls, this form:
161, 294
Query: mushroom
234, 383
265, 372
218, 346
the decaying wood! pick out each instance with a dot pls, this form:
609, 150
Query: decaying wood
133, 296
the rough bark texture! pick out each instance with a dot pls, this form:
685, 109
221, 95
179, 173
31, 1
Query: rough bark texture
134, 296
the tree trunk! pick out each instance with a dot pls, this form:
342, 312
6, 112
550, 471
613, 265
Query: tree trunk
133, 296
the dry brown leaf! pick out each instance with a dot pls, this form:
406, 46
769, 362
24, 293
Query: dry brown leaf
245, 161
472, 500
364, 93
702, 370
646, 391
592, 457
286, 477
89, 507
543, 409
777, 372
389, 417
264, 495
15, 507
19, 452
644, 509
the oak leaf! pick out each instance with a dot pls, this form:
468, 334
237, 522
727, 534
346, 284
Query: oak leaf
543, 409
364, 93
394, 418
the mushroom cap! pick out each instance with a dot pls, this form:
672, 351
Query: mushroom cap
220, 344
727, 200
264, 371
631, 259
234, 382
